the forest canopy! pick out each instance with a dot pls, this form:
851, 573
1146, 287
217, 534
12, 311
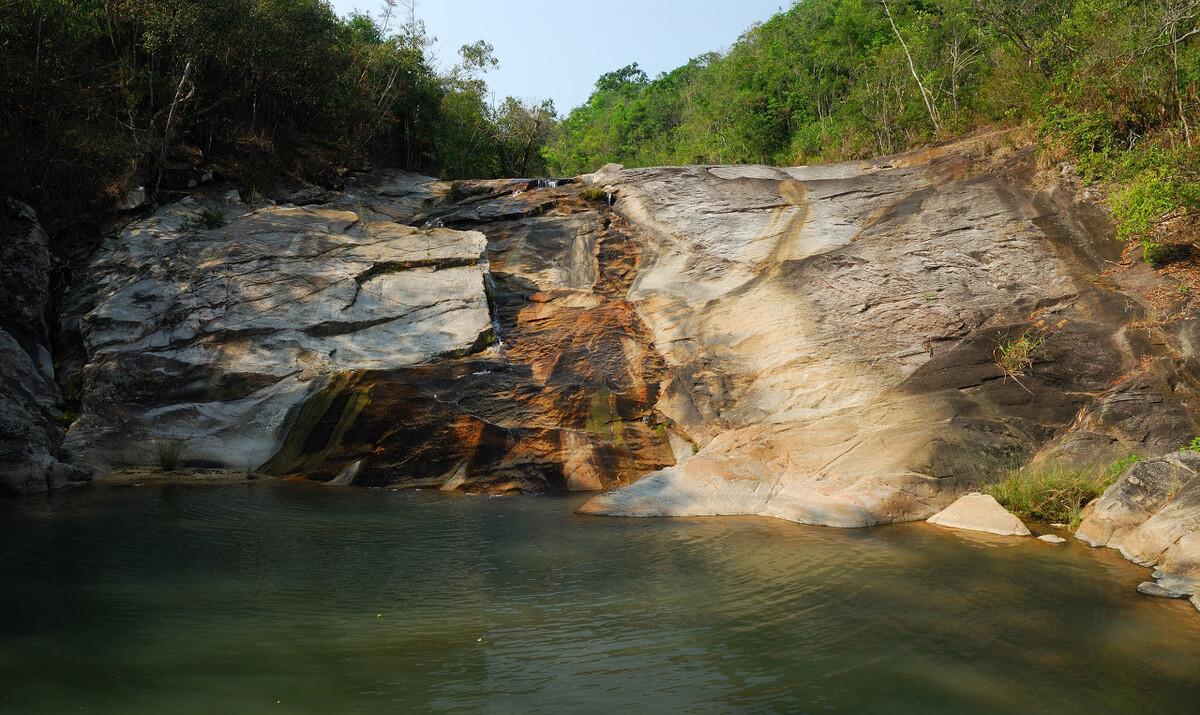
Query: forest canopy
100, 96
1110, 84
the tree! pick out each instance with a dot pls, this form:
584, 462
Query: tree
521, 131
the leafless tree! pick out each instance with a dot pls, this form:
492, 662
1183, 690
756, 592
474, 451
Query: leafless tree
926, 95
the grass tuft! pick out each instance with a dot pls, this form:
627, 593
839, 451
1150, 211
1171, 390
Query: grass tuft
169, 453
1054, 493
594, 193
207, 220
1015, 355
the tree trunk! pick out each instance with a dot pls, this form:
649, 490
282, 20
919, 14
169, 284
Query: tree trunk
925, 94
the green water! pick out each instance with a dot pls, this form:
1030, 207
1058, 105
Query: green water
277, 598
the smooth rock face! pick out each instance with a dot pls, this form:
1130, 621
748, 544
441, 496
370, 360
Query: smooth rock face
830, 334
980, 512
30, 402
1152, 515
1052, 539
217, 336
334, 342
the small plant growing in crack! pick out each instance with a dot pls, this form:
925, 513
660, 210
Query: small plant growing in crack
1015, 355
206, 220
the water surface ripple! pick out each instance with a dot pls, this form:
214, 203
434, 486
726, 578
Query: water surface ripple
302, 599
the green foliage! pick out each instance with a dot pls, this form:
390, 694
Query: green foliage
1117, 468
1110, 85
1154, 193
98, 96
206, 220
1193, 446
1054, 493
594, 193
1015, 355
169, 453
825, 79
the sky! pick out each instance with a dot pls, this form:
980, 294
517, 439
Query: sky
556, 50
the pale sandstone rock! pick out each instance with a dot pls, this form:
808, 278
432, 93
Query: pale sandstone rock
1151, 514
829, 334
1052, 539
814, 343
980, 512
217, 336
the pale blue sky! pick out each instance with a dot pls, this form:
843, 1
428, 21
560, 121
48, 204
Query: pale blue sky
557, 50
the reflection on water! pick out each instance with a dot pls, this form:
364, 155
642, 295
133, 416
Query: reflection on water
302, 599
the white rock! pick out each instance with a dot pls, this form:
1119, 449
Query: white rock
980, 512
807, 362
1052, 539
216, 336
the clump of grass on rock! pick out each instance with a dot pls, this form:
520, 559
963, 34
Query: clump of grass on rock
594, 193
1053, 493
169, 453
207, 220
1015, 355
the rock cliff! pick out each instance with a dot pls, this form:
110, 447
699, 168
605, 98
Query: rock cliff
831, 336
817, 344
30, 400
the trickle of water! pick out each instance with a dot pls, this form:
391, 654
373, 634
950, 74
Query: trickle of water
490, 289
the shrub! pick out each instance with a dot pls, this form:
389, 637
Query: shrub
1054, 493
594, 193
1193, 446
169, 453
207, 220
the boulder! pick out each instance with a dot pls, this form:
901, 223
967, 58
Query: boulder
980, 512
1151, 514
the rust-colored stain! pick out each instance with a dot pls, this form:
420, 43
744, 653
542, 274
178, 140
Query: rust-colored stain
566, 403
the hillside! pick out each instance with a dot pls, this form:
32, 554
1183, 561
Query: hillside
1110, 85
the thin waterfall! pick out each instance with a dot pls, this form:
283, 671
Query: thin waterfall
490, 290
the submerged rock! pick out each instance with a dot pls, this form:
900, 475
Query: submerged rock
1151, 514
1052, 539
980, 512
